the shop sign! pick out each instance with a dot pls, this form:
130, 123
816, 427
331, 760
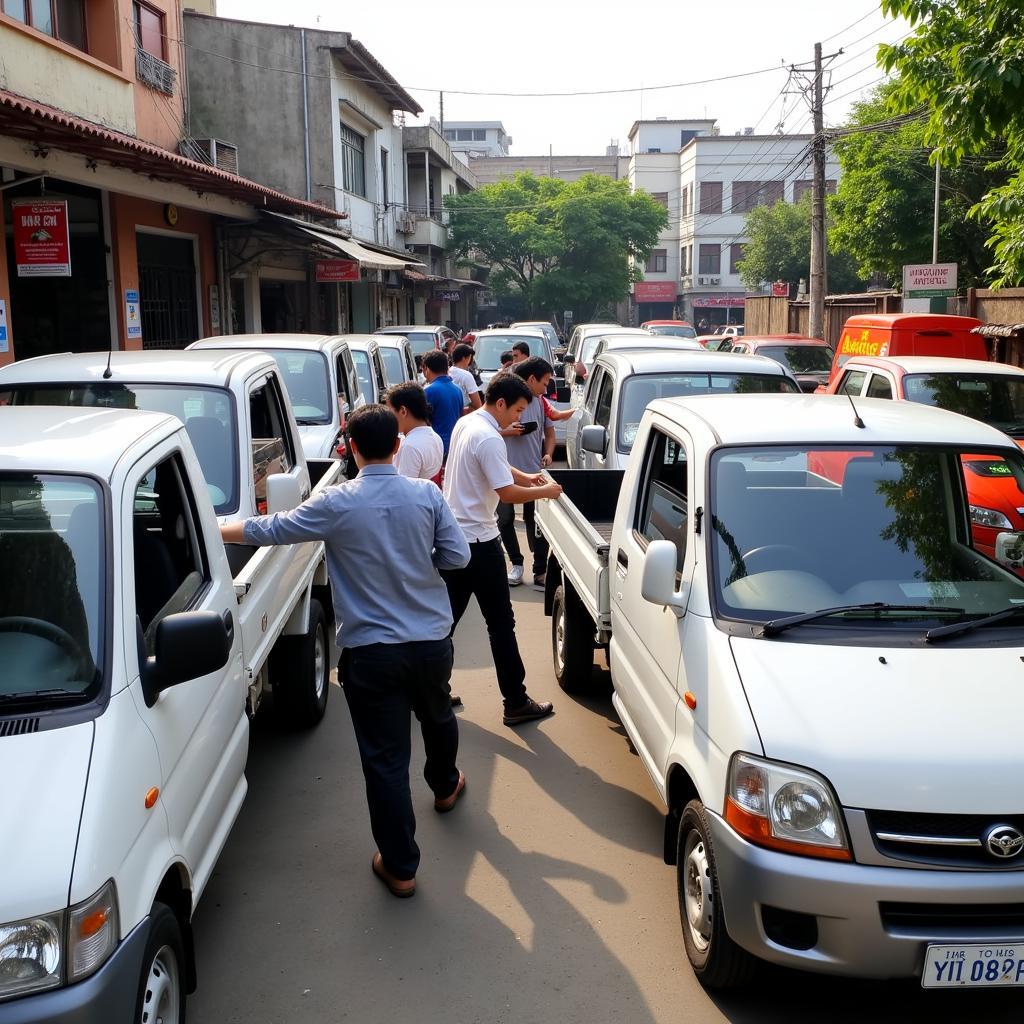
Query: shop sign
4, 343
333, 271
445, 296
718, 301
780, 289
929, 280
655, 291
132, 314
42, 247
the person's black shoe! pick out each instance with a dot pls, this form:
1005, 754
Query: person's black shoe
529, 712
456, 701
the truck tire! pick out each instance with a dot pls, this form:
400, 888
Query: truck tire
162, 983
301, 673
572, 641
717, 961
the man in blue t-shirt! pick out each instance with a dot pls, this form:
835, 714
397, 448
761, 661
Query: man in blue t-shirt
443, 394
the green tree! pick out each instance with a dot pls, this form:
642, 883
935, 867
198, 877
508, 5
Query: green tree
560, 245
882, 211
964, 64
779, 248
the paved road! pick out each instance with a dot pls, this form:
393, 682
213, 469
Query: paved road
541, 899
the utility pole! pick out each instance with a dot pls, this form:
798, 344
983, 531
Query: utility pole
935, 218
442, 115
819, 269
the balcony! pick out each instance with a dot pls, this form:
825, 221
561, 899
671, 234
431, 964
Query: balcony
428, 140
431, 228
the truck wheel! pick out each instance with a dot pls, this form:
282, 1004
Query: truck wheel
161, 998
572, 644
716, 960
301, 673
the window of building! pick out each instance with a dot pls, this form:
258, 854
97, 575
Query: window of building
735, 255
653, 150
660, 197
386, 197
710, 197
353, 161
659, 261
748, 194
464, 135
62, 19
479, 135
684, 266
710, 257
149, 29
449, 134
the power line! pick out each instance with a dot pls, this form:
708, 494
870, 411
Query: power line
874, 10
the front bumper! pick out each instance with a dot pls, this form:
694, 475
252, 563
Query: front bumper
108, 995
845, 900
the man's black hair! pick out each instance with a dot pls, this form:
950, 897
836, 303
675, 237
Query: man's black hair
522, 346
461, 352
535, 367
374, 428
507, 357
436, 361
412, 396
507, 386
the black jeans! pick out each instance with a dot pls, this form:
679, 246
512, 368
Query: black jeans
536, 543
383, 683
486, 579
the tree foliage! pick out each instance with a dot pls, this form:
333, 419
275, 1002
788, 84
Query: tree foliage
882, 211
779, 248
965, 65
561, 245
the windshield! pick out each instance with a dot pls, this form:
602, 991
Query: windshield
362, 361
207, 412
489, 348
673, 330
52, 563
392, 359
309, 386
800, 358
996, 399
588, 350
801, 529
421, 342
638, 392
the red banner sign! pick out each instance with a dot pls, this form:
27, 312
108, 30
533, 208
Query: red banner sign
42, 247
719, 300
780, 289
331, 271
655, 291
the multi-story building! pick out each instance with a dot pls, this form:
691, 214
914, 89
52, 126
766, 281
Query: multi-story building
110, 233
709, 183
611, 164
477, 138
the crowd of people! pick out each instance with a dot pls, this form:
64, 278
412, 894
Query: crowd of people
410, 541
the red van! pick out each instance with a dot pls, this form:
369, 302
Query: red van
908, 334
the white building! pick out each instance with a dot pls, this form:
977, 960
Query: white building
477, 138
709, 182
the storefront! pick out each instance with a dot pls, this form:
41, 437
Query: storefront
655, 300
715, 310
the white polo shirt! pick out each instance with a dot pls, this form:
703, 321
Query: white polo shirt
477, 466
420, 454
466, 382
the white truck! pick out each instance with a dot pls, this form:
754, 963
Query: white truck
234, 409
819, 669
128, 645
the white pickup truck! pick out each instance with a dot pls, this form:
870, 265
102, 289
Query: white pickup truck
819, 669
240, 423
126, 647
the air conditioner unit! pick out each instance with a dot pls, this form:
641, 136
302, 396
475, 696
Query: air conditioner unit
714, 280
703, 280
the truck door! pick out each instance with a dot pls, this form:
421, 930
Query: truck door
646, 641
199, 726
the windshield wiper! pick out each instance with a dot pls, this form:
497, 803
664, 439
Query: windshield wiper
306, 422
49, 695
776, 626
955, 628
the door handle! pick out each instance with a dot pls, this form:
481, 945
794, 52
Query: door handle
622, 558
229, 624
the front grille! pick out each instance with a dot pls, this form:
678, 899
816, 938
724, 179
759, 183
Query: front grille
958, 830
18, 726
954, 919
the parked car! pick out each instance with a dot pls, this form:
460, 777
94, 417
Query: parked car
808, 359
730, 330
715, 342
554, 342
837, 794
369, 363
908, 334
579, 354
653, 343
424, 337
623, 384
132, 641
676, 328
399, 360
320, 377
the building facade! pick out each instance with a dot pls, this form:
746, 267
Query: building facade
477, 138
612, 164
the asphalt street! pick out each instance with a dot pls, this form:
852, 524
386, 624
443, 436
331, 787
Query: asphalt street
542, 898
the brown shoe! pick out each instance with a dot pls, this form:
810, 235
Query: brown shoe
402, 888
529, 712
445, 805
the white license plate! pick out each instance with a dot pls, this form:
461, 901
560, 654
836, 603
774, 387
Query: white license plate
987, 965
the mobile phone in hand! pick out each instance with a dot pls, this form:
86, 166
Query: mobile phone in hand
528, 428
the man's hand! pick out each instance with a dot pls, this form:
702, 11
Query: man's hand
546, 460
538, 480
512, 430
551, 490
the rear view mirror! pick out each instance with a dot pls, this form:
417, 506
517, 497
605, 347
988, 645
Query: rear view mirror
187, 645
594, 438
658, 582
284, 492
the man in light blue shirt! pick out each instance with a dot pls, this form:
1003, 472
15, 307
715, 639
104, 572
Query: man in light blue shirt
386, 537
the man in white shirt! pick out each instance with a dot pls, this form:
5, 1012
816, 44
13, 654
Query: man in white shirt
421, 453
477, 476
462, 359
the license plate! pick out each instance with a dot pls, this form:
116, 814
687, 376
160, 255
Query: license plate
989, 965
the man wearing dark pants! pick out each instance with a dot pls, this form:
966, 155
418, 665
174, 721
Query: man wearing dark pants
530, 450
477, 476
386, 537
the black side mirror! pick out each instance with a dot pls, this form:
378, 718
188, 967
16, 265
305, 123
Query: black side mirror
188, 645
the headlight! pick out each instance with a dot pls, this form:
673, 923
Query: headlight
30, 955
93, 933
989, 517
784, 807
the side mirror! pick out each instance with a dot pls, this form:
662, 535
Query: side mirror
1010, 550
284, 492
594, 438
658, 582
188, 645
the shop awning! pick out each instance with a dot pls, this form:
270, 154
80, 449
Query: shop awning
349, 247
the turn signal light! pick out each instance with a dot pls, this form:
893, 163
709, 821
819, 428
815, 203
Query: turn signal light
757, 829
151, 797
92, 923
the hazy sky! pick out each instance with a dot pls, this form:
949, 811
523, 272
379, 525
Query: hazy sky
558, 46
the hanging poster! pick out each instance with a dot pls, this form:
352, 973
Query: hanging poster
42, 245
132, 315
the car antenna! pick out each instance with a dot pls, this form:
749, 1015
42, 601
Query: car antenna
857, 421
108, 372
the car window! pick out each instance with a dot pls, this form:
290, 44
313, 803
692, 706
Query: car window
879, 387
271, 440
392, 360
594, 389
378, 371
852, 383
364, 375
305, 378
603, 408
661, 512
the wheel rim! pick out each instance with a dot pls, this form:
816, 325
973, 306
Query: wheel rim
161, 1003
320, 662
697, 891
559, 627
